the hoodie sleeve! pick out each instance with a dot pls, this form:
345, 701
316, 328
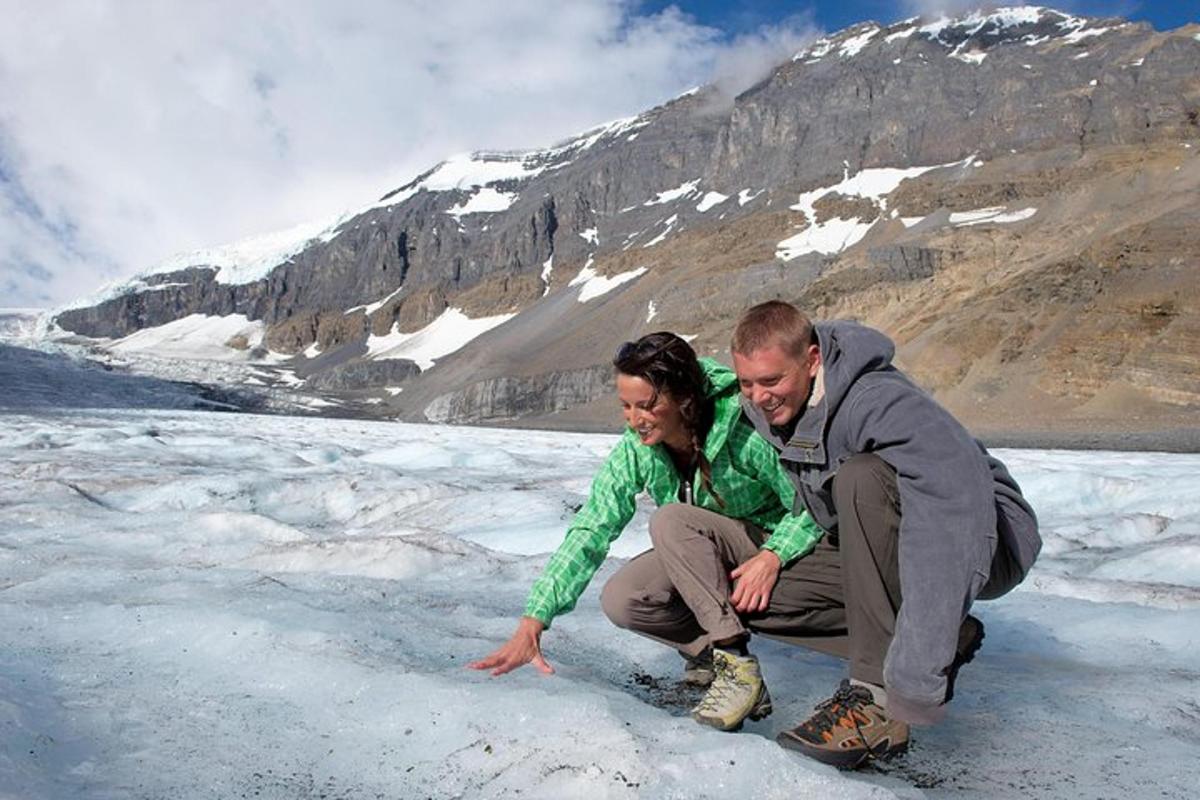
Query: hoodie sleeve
611, 503
947, 534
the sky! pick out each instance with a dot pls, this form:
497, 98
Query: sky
130, 132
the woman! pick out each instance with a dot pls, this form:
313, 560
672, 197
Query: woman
724, 515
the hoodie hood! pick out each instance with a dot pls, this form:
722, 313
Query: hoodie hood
848, 350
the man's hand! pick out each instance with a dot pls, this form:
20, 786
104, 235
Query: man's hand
524, 646
753, 581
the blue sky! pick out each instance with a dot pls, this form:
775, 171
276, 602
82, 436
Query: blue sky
740, 16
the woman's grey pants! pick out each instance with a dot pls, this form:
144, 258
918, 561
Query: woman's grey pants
678, 592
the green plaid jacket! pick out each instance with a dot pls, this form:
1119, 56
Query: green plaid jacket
745, 473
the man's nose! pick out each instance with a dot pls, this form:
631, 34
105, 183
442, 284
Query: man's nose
759, 396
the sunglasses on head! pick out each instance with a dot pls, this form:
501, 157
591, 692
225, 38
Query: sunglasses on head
641, 350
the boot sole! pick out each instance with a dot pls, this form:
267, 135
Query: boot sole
842, 759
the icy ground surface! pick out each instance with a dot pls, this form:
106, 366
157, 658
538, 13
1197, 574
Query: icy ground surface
204, 605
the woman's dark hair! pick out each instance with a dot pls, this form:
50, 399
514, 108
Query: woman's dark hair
668, 363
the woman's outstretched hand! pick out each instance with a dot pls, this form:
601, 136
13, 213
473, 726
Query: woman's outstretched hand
524, 647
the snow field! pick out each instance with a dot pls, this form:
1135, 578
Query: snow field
202, 605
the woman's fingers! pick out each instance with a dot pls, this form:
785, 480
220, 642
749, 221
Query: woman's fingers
521, 649
543, 665
485, 663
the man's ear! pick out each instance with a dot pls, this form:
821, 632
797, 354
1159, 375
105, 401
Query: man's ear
814, 359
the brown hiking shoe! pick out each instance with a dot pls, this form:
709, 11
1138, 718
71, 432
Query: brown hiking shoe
970, 639
847, 730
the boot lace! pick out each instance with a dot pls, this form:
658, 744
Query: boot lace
723, 687
844, 709
845, 706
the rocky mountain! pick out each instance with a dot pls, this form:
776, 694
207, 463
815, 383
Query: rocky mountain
1013, 196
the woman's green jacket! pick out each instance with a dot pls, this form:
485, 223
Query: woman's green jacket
745, 473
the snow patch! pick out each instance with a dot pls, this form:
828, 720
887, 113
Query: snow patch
446, 334
371, 308
485, 201
590, 137
970, 58
835, 235
471, 170
854, 45
651, 311
682, 190
598, 285
1077, 34
196, 336
591, 235
710, 200
976, 21
670, 225
745, 196
815, 52
547, 269
990, 215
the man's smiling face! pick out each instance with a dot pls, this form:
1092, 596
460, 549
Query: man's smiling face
777, 382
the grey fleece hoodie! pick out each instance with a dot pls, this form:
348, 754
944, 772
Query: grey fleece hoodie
956, 501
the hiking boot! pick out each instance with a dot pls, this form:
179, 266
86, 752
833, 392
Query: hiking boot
698, 670
847, 730
737, 692
970, 639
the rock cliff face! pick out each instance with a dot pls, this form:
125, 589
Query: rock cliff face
1015, 197
507, 397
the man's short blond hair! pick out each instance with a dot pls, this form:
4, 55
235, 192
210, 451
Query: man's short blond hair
773, 322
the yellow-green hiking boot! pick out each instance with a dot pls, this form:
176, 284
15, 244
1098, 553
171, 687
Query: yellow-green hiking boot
737, 692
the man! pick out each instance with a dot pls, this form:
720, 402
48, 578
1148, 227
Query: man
921, 521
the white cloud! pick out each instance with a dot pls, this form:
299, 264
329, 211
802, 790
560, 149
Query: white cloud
1092, 8
131, 131
751, 56
933, 8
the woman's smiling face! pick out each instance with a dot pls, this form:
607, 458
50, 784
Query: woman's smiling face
653, 415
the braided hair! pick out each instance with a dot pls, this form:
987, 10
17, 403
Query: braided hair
668, 363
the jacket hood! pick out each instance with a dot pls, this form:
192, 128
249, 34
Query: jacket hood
720, 377
723, 391
848, 350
